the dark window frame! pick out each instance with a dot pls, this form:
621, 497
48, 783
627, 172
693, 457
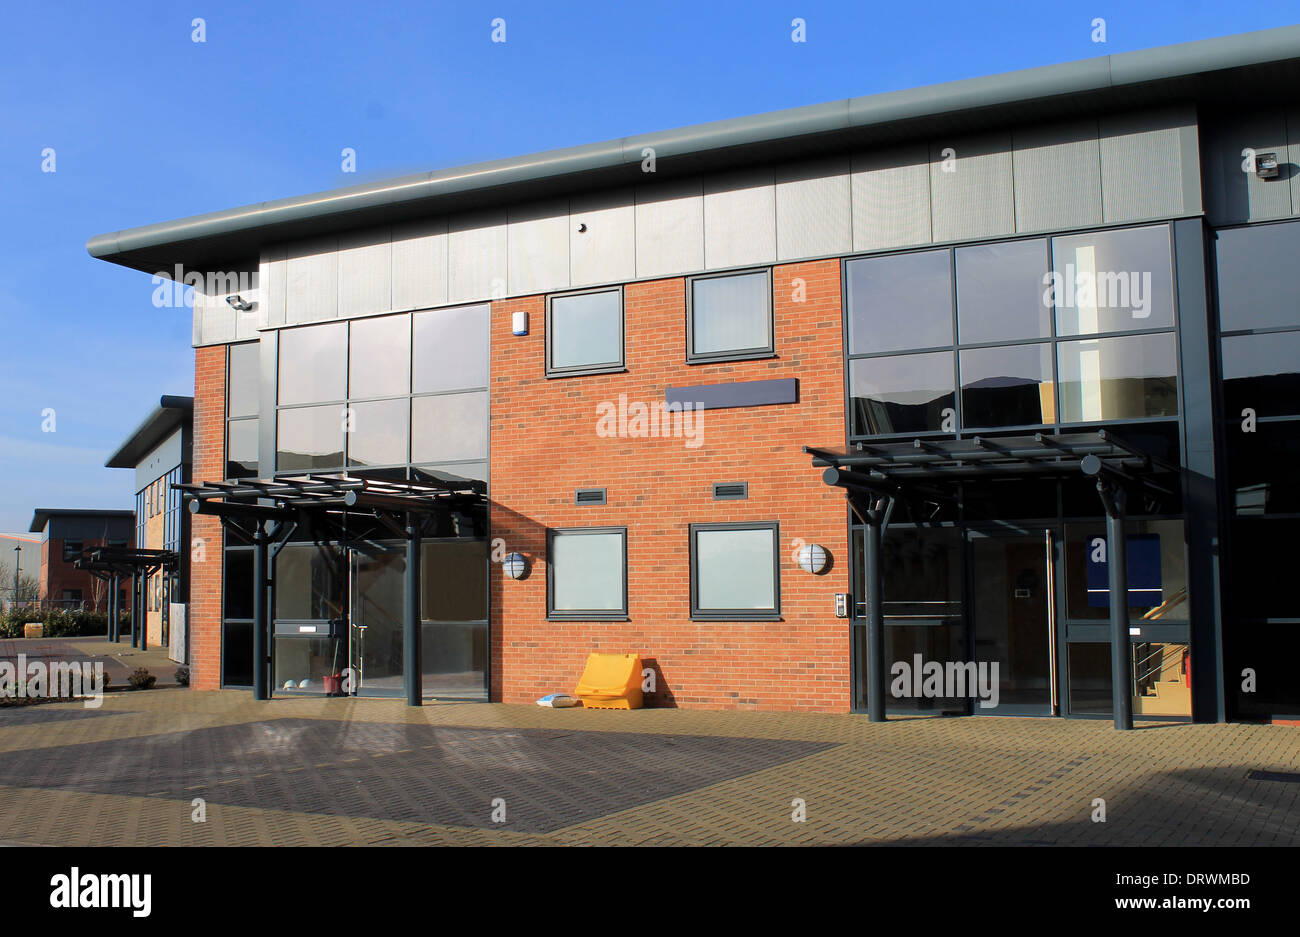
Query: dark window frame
738, 354
743, 614
579, 370
552, 614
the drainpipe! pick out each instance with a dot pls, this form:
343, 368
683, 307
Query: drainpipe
413, 668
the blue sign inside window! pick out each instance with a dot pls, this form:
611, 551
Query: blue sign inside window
1145, 589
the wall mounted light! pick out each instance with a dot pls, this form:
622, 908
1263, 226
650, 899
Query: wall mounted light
515, 566
1266, 165
812, 558
238, 302
519, 322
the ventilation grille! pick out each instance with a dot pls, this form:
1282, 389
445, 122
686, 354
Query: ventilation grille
730, 491
589, 496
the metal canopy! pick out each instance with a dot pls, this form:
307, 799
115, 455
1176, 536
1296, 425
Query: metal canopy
893, 467
876, 476
103, 562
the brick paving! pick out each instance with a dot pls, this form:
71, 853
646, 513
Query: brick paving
361, 772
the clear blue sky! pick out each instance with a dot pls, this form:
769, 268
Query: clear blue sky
148, 126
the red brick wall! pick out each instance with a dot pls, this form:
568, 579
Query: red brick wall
57, 575
544, 445
205, 531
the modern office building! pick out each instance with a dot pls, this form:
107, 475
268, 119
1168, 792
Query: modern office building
925, 360
65, 534
159, 453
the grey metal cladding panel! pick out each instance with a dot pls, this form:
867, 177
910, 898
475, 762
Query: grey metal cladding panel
273, 280
420, 264
1057, 172
1237, 196
365, 272
538, 247
891, 198
739, 218
312, 288
974, 199
476, 259
813, 209
1293, 157
669, 228
606, 251
735, 394
1143, 164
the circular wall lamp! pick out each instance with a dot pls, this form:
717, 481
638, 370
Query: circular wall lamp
812, 558
515, 566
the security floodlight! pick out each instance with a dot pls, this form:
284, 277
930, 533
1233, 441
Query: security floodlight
238, 302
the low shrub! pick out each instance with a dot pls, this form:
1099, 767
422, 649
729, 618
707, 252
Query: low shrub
59, 623
141, 679
183, 675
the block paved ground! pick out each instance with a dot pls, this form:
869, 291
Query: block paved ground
344, 771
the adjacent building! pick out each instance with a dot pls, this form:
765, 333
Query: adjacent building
786, 404
65, 533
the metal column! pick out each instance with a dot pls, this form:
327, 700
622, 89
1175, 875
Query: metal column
1115, 499
877, 672
261, 620
413, 658
135, 635
112, 609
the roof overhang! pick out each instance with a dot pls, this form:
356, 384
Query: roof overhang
171, 413
42, 516
1255, 66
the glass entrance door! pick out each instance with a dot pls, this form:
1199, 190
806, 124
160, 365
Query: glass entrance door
1012, 619
376, 621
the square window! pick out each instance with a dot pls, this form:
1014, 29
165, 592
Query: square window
729, 317
735, 572
1113, 281
587, 573
377, 432
241, 380
449, 427
310, 438
899, 302
1125, 378
1002, 292
451, 349
313, 364
241, 448
378, 353
902, 394
584, 332
1007, 386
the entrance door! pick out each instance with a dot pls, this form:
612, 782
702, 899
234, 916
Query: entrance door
1012, 621
375, 630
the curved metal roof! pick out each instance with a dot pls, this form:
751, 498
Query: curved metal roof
1255, 64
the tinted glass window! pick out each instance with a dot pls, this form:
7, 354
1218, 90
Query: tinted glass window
1113, 281
313, 363
379, 354
378, 432
735, 570
1007, 386
242, 392
1118, 378
308, 584
1256, 278
453, 580
899, 302
731, 314
448, 427
237, 590
1262, 372
901, 394
310, 438
585, 331
1001, 292
241, 449
1157, 571
451, 349
1262, 468
587, 572
237, 653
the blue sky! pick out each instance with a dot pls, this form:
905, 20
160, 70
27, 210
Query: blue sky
148, 125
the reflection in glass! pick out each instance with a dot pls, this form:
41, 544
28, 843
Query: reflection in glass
1090, 683
1157, 572
1000, 291
735, 570
313, 363
1113, 281
1262, 469
309, 583
453, 580
587, 572
309, 438
1256, 287
1007, 386
379, 352
242, 380
378, 432
586, 330
376, 623
1118, 378
447, 427
899, 301
237, 589
451, 349
237, 653
455, 660
731, 314
302, 664
901, 394
1262, 372
241, 448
